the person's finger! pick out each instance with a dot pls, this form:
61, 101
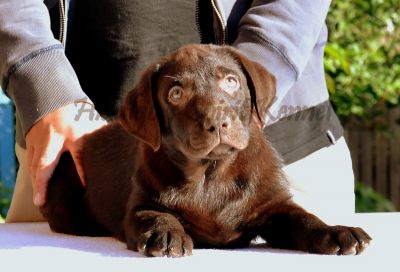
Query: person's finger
76, 156
34, 165
39, 188
29, 157
75, 147
49, 156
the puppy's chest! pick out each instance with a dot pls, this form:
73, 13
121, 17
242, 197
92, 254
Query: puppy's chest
210, 208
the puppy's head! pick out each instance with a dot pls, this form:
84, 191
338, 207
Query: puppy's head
199, 101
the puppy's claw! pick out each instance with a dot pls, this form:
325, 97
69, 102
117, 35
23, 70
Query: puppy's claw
141, 248
341, 240
187, 246
169, 243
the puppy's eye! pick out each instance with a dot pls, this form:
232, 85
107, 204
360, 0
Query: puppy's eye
175, 94
230, 83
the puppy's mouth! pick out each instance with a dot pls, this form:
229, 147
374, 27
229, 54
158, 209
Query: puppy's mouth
221, 151
216, 150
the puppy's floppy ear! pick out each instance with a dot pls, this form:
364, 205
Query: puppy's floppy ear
138, 115
261, 83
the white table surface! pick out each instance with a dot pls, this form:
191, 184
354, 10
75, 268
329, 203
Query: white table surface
33, 247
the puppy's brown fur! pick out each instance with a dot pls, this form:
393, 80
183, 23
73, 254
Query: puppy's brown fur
186, 165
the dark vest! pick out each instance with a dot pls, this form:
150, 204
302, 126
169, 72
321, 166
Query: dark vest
110, 42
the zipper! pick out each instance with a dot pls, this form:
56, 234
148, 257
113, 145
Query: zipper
198, 20
222, 28
63, 28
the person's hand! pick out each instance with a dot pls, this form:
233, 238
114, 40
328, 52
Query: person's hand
55, 133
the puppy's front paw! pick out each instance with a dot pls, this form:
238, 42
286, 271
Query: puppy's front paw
339, 240
171, 243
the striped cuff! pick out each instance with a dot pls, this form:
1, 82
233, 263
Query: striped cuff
41, 83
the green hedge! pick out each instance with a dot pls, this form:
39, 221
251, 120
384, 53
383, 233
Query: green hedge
367, 200
362, 58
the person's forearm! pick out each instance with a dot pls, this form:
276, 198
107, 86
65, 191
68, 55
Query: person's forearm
282, 34
34, 71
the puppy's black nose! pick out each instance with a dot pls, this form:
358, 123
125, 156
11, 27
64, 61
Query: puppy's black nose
216, 125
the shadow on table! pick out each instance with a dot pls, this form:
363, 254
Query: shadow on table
39, 235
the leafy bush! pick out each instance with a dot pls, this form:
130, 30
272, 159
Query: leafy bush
362, 58
367, 200
5, 200
362, 63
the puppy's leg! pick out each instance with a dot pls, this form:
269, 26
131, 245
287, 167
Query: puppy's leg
291, 227
154, 233
64, 208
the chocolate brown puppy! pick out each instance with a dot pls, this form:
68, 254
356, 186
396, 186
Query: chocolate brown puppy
186, 165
